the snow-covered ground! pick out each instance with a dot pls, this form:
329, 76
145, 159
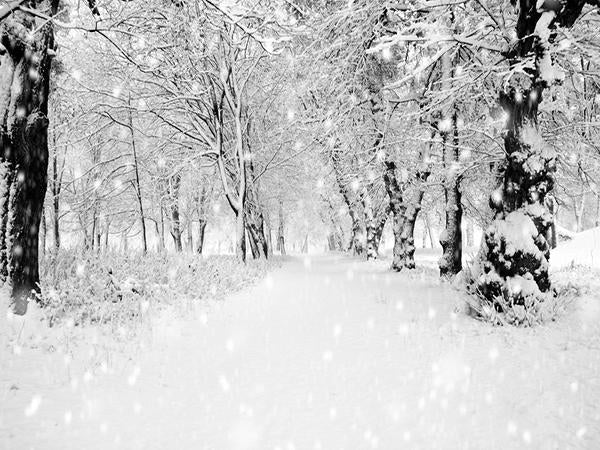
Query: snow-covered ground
583, 249
325, 353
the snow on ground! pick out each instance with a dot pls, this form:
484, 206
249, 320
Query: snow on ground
583, 249
326, 353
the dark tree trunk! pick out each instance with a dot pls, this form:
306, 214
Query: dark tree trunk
161, 230
268, 235
240, 227
56, 220
174, 184
407, 236
551, 235
374, 224
201, 231
56, 187
255, 221
252, 241
256, 234
190, 235
24, 89
106, 234
405, 215
397, 209
93, 234
98, 237
451, 239
281, 231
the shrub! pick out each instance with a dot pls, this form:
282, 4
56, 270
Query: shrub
112, 288
518, 303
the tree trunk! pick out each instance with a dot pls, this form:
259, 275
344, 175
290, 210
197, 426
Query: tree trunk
98, 237
451, 239
551, 234
397, 209
256, 234
268, 234
161, 230
24, 89
201, 231
174, 184
106, 234
240, 227
579, 213
253, 242
56, 221
190, 235
93, 234
370, 225
374, 226
137, 185
281, 231
357, 235
407, 236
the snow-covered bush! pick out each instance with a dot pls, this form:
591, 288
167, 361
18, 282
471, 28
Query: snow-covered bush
112, 288
517, 302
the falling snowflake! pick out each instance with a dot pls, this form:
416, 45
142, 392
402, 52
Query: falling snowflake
33, 406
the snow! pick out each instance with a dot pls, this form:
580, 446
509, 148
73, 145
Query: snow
309, 358
582, 250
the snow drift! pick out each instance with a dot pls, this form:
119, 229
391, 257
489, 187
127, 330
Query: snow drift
582, 250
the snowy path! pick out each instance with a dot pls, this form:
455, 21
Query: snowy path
338, 355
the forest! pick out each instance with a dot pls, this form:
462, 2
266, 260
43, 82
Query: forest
251, 199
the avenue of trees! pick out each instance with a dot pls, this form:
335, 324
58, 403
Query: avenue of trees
153, 126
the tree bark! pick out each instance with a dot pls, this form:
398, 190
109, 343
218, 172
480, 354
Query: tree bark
106, 234
161, 230
397, 209
190, 234
374, 224
281, 231
201, 231
174, 184
24, 89
579, 213
407, 236
240, 248
451, 239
